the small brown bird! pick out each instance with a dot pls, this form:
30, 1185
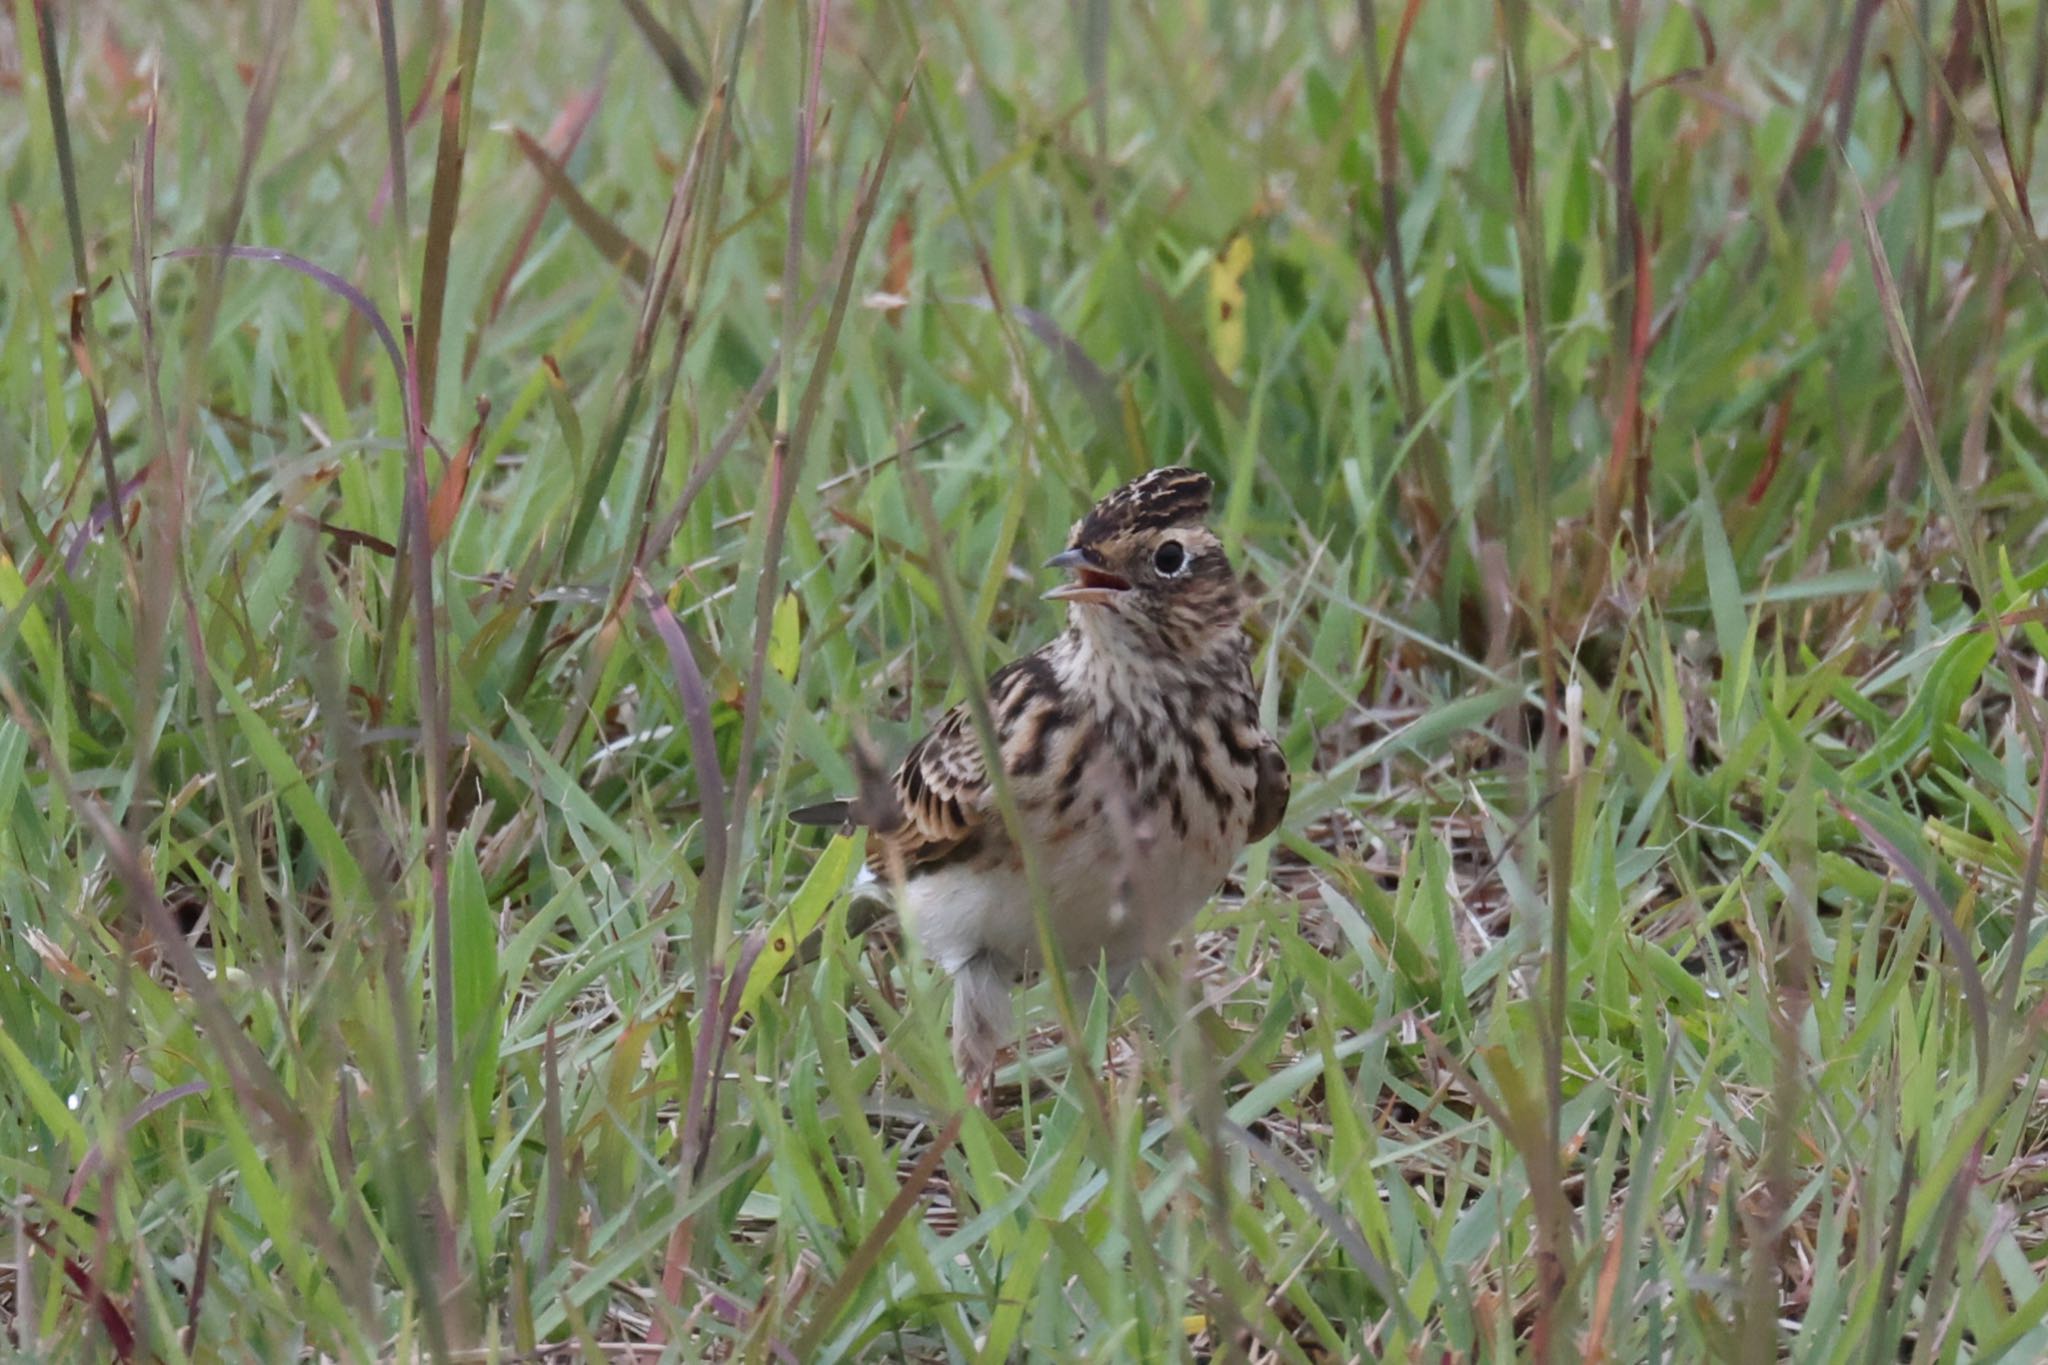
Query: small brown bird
1132, 748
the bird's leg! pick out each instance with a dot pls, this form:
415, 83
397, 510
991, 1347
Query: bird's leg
982, 1021
1082, 983
1152, 978
1103, 981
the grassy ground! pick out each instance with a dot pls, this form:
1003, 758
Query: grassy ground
1632, 417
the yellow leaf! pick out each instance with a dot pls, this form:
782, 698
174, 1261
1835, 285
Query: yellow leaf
785, 636
1226, 303
825, 880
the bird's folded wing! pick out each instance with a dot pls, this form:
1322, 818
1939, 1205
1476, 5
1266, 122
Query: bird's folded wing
1270, 790
942, 801
942, 790
939, 805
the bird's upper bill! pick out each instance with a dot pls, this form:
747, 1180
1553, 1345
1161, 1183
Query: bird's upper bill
1092, 583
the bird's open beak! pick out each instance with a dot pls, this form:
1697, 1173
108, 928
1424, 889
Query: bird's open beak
1092, 583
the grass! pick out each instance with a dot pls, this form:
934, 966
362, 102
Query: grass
413, 633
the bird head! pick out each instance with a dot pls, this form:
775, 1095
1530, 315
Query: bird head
1147, 573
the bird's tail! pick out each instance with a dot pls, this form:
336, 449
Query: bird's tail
824, 813
872, 806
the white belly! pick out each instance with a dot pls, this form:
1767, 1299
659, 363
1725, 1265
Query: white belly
1115, 896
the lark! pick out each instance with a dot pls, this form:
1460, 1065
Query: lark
1134, 758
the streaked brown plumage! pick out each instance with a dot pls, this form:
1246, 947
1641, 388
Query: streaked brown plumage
1131, 745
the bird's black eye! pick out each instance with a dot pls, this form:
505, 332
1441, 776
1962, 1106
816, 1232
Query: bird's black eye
1169, 558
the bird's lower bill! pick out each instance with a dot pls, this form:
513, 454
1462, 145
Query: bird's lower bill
1092, 586
1093, 583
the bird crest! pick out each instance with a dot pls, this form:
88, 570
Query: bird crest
1174, 496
